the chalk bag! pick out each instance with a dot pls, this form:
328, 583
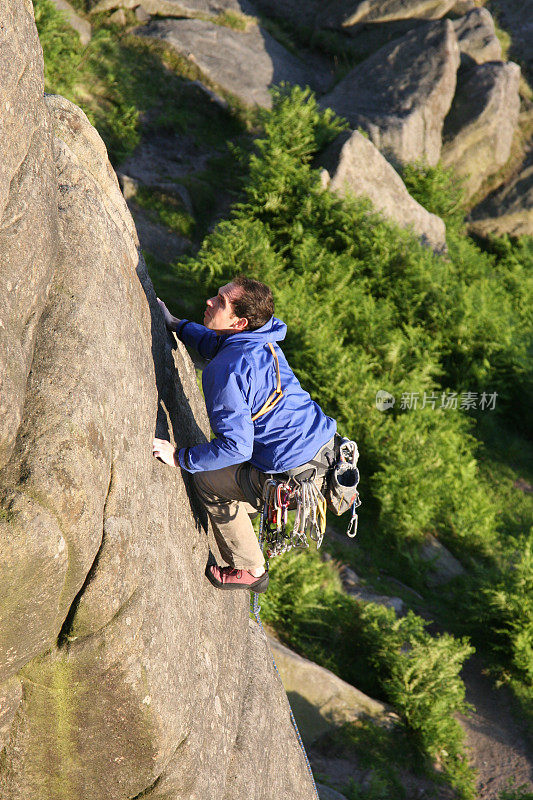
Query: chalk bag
341, 492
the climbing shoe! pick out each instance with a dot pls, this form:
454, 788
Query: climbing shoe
229, 578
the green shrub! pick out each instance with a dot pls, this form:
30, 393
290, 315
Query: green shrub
508, 607
366, 645
516, 792
166, 209
61, 48
369, 308
438, 190
489, 301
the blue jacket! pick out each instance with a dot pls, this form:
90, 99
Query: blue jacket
237, 381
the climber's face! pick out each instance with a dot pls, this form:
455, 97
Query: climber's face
219, 315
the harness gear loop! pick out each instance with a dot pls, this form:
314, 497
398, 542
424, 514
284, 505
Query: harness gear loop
276, 395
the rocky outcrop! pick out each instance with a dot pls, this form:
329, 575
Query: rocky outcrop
402, 93
461, 7
515, 17
477, 38
356, 166
345, 13
327, 793
222, 52
28, 218
443, 567
320, 700
80, 25
196, 8
479, 129
175, 8
510, 208
123, 672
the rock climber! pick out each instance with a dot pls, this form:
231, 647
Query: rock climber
263, 422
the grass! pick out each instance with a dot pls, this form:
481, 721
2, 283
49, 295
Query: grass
166, 209
514, 792
387, 756
129, 84
331, 44
233, 20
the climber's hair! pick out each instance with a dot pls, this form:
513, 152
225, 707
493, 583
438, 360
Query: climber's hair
255, 302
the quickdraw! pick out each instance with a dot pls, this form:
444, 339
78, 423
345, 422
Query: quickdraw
310, 519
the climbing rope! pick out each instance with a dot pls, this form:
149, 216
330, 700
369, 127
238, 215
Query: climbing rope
256, 610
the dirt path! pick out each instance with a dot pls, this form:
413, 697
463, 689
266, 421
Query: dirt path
498, 741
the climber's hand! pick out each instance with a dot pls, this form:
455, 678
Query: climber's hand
165, 451
170, 321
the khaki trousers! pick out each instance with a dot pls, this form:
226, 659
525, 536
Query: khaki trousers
230, 495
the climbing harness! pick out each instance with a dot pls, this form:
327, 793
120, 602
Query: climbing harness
256, 610
297, 490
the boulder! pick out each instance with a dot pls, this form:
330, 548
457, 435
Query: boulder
131, 186
515, 17
109, 5
443, 566
28, 212
402, 93
80, 25
509, 209
10, 699
477, 38
162, 161
118, 17
356, 166
175, 8
142, 15
244, 63
155, 239
343, 14
366, 595
327, 793
479, 129
124, 673
196, 8
462, 7
349, 577
319, 699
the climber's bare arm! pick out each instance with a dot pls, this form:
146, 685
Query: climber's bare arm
165, 451
170, 321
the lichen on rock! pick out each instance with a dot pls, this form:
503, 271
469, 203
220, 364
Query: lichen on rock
123, 671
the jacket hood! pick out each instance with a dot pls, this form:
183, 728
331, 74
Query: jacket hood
273, 331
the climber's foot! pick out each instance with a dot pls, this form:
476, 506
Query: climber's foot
230, 578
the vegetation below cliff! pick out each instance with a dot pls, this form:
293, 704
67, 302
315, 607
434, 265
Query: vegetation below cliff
342, 277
